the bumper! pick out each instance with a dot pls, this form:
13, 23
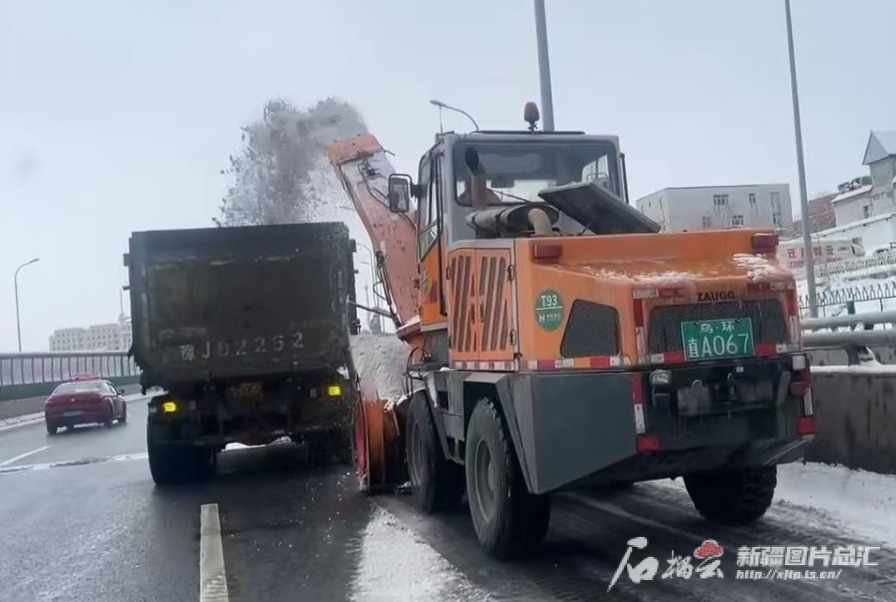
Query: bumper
214, 423
574, 429
74, 417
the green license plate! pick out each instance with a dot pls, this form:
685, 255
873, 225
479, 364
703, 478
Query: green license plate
710, 339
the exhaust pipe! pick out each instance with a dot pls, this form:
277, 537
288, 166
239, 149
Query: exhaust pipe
478, 188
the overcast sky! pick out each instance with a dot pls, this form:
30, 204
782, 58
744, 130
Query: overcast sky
118, 115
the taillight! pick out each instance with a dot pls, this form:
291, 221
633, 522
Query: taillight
764, 242
801, 383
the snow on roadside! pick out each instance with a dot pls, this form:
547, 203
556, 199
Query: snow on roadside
860, 502
395, 566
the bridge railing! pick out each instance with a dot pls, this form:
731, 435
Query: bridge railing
857, 334
31, 374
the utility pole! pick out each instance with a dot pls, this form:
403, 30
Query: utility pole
15, 280
804, 198
544, 68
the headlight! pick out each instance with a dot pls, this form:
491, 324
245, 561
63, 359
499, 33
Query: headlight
169, 406
334, 390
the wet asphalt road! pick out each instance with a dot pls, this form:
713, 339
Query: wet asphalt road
81, 520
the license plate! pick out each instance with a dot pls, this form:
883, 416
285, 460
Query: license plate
251, 393
72, 413
711, 339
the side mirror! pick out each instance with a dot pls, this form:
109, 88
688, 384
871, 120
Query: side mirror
399, 193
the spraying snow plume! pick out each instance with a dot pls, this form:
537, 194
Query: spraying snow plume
277, 176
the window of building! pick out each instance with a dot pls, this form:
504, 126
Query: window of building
737, 220
720, 200
866, 211
752, 199
707, 222
776, 219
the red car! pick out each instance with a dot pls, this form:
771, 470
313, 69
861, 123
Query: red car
82, 401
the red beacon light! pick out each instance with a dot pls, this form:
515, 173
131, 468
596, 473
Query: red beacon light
80, 377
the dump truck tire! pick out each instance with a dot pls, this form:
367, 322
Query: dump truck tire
735, 496
174, 463
163, 461
509, 521
437, 484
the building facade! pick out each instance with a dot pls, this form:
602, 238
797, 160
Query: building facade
99, 337
875, 234
821, 214
715, 207
874, 194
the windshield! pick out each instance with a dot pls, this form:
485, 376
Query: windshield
518, 171
84, 386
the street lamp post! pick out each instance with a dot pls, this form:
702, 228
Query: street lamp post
123, 288
544, 68
370, 254
15, 280
804, 198
442, 105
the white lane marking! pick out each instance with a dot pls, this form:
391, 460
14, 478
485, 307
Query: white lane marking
212, 576
25, 455
81, 462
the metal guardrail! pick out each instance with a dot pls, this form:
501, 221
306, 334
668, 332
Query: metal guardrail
38, 372
32, 374
858, 340
866, 321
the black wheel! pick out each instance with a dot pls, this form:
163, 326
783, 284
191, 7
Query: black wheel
509, 521
202, 462
437, 483
51, 428
123, 419
342, 445
110, 419
176, 462
736, 496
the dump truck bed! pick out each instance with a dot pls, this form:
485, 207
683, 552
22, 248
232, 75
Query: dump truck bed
236, 303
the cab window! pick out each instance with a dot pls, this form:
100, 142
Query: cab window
518, 171
428, 214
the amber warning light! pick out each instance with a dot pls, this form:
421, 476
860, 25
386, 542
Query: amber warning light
547, 251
